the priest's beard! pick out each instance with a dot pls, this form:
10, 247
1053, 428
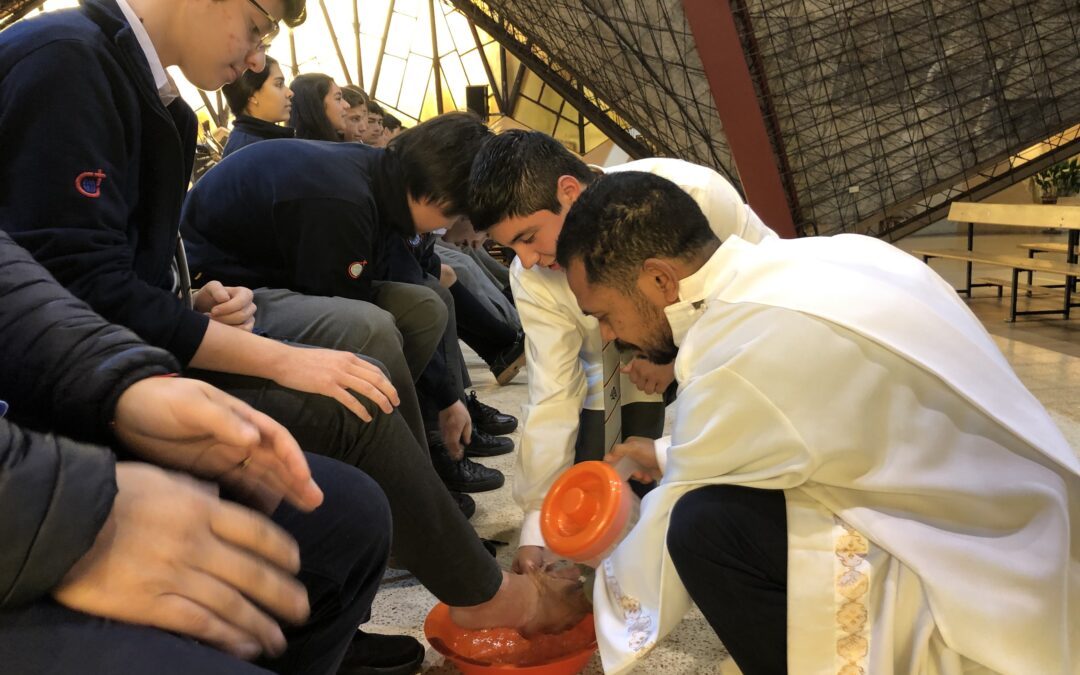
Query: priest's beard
658, 344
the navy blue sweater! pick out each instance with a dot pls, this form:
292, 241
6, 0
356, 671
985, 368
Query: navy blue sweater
316, 217
247, 130
93, 168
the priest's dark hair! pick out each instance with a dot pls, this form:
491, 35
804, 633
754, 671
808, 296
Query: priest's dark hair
435, 157
625, 218
517, 174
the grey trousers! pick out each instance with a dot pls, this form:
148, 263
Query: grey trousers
431, 537
499, 271
480, 281
361, 327
493, 269
419, 314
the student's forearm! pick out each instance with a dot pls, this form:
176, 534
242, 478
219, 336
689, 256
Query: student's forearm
230, 350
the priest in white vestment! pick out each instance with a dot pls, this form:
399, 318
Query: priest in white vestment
522, 185
928, 496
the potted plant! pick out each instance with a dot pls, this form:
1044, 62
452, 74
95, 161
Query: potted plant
1059, 180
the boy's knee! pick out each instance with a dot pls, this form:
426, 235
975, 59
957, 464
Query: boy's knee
376, 362
433, 307
445, 297
376, 328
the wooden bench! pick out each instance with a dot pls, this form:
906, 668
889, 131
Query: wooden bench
1042, 247
1016, 264
1030, 289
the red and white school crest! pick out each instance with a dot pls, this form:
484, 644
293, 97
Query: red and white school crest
88, 183
356, 268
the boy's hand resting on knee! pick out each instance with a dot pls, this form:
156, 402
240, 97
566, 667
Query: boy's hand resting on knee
174, 556
192, 426
336, 374
329, 372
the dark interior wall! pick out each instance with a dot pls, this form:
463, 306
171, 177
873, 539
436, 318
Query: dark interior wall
881, 108
899, 99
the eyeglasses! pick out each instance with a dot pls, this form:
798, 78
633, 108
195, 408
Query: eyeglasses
268, 37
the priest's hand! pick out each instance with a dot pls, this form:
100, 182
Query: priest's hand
649, 377
172, 555
194, 427
643, 451
531, 558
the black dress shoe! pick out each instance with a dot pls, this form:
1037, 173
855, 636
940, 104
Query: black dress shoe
465, 503
374, 654
464, 475
507, 363
488, 419
484, 445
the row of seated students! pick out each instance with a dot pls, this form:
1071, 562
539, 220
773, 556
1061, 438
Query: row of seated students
331, 186
315, 108
311, 106
168, 576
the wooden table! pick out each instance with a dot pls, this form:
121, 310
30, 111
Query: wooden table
1027, 216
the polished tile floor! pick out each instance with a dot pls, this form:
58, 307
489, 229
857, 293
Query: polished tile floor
1045, 353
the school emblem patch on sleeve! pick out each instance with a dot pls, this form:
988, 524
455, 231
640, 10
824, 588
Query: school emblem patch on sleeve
88, 183
356, 268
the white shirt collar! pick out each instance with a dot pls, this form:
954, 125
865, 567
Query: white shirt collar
696, 289
166, 87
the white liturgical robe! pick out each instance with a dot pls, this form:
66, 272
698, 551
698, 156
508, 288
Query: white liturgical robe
929, 495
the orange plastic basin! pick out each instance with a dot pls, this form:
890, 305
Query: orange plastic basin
496, 650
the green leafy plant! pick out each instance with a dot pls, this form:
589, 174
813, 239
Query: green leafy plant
1060, 180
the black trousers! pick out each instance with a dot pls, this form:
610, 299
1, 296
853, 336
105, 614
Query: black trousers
729, 545
343, 550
